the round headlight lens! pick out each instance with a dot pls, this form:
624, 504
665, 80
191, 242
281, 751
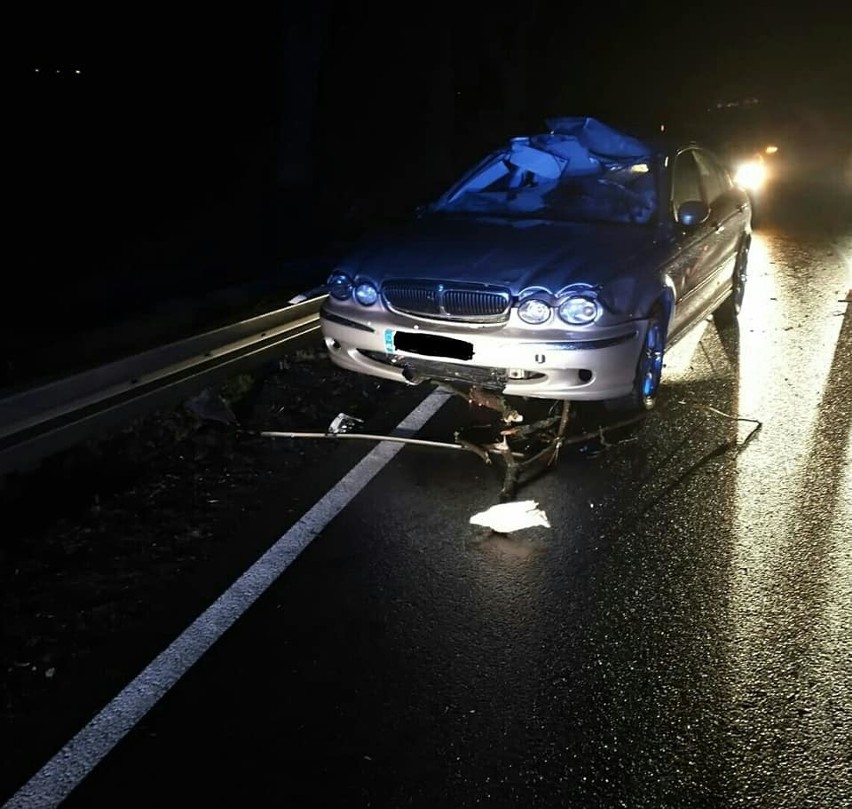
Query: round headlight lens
578, 310
534, 311
340, 286
366, 293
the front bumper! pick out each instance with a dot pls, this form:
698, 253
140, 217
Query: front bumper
545, 363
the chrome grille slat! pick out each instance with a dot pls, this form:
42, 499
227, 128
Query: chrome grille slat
478, 304
432, 299
421, 300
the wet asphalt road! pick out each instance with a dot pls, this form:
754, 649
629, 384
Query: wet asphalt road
681, 636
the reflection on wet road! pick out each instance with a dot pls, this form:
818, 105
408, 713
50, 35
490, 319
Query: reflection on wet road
791, 571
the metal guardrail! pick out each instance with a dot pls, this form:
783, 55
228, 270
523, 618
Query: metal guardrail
44, 420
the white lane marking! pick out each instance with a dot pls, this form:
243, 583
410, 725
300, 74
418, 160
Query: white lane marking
56, 780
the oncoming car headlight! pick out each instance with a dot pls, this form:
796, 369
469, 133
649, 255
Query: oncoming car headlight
534, 311
578, 310
366, 294
340, 286
750, 175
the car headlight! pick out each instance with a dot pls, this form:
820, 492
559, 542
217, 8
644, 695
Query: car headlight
534, 311
750, 175
578, 310
340, 286
366, 294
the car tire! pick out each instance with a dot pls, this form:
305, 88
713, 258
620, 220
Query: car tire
649, 369
729, 310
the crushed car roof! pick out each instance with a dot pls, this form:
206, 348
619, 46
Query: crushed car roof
599, 138
580, 170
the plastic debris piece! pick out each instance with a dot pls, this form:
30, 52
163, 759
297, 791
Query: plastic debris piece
513, 516
344, 424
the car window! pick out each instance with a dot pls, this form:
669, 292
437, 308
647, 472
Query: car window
686, 186
713, 176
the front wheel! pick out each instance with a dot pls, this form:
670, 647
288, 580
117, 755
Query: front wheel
649, 369
729, 309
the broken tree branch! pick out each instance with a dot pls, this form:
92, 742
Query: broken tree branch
758, 424
364, 436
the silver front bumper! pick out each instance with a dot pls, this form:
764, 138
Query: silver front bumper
556, 364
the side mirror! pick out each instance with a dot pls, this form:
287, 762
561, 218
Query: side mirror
692, 213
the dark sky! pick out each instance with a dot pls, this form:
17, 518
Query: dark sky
219, 64
577, 50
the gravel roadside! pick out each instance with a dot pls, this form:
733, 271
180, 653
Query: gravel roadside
98, 535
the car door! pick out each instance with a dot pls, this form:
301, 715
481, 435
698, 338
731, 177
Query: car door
726, 215
690, 271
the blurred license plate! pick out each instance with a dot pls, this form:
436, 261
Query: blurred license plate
427, 345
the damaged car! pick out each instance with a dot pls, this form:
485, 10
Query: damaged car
560, 267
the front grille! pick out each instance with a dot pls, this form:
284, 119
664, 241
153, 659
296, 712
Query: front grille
470, 303
412, 299
473, 303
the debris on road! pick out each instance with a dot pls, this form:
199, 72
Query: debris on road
513, 516
742, 419
209, 405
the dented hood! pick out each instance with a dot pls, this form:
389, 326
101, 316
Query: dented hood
512, 254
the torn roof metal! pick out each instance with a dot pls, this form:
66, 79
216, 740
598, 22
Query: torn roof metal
599, 138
